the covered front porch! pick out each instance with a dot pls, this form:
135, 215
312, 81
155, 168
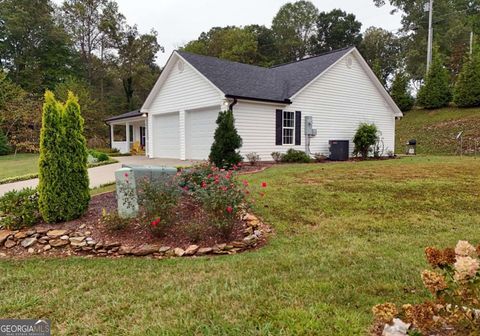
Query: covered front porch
129, 130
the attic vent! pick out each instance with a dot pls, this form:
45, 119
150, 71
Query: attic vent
180, 66
349, 62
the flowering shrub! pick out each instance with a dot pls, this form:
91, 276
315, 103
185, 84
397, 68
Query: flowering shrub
454, 284
158, 200
223, 198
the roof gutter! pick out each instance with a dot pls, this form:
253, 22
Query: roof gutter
230, 107
235, 97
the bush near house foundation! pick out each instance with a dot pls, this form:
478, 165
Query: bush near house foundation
227, 142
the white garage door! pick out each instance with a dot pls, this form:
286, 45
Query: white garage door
199, 129
166, 141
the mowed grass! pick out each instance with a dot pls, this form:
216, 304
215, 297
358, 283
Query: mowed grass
347, 236
436, 130
18, 165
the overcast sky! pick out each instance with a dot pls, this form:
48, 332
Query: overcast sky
179, 21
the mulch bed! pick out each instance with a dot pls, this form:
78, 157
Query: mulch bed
138, 233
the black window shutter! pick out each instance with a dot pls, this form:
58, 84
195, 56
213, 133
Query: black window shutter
278, 127
298, 128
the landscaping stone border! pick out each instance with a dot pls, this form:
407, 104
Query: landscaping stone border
44, 241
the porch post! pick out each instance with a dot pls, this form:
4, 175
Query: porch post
147, 149
127, 132
111, 135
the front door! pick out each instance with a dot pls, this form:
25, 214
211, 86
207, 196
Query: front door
142, 136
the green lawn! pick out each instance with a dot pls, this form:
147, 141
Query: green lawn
348, 236
18, 165
435, 130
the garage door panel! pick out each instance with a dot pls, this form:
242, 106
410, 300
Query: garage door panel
166, 140
200, 128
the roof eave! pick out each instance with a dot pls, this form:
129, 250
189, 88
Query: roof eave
283, 102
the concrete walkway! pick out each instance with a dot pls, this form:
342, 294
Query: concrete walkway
103, 174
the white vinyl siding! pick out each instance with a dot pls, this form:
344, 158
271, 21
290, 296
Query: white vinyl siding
181, 90
339, 101
255, 123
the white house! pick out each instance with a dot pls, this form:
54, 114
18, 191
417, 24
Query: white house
337, 90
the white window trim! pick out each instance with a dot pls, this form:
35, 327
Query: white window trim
292, 128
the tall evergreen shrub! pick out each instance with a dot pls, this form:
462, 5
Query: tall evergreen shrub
52, 162
400, 94
224, 151
75, 149
63, 187
436, 91
467, 88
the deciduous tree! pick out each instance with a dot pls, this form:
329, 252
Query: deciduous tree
335, 30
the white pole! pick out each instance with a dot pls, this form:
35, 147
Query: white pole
471, 42
430, 35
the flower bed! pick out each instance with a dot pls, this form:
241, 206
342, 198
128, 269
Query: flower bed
202, 211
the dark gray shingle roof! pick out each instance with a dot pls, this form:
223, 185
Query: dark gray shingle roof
277, 83
131, 114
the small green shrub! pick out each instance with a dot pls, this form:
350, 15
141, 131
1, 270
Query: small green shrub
365, 137
253, 158
226, 143
296, 156
19, 209
106, 150
276, 156
100, 156
113, 221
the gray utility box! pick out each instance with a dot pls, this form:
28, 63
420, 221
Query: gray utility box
151, 173
129, 178
339, 150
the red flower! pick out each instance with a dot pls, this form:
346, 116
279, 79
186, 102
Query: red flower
264, 184
126, 174
245, 183
229, 209
185, 188
204, 184
155, 222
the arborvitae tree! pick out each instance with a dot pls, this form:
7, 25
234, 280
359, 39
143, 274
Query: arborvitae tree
436, 91
224, 150
467, 88
52, 164
75, 151
400, 94
63, 187
4, 146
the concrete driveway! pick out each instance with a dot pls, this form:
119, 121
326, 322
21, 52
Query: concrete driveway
103, 174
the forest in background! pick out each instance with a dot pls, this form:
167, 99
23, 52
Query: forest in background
88, 47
